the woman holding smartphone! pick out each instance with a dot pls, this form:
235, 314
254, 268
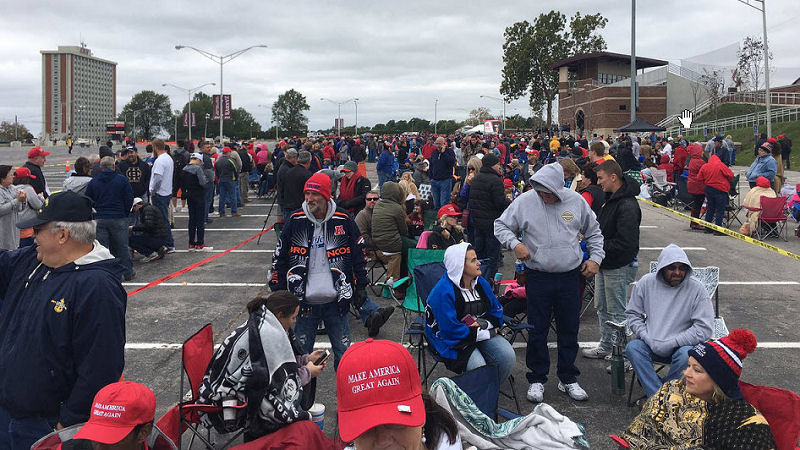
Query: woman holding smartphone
463, 316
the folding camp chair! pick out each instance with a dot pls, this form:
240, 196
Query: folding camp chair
481, 386
661, 190
57, 440
196, 354
734, 204
709, 277
772, 220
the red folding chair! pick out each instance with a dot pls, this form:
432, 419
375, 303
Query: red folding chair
56, 440
196, 354
773, 218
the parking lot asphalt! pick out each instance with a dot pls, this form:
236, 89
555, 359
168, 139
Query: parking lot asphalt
759, 290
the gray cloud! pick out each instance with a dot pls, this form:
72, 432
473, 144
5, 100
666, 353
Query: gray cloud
397, 57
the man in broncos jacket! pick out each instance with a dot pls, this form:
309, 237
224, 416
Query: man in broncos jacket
62, 326
320, 259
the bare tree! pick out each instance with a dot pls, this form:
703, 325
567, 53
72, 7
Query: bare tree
714, 83
750, 67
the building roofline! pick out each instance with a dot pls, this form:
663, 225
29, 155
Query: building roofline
58, 52
641, 62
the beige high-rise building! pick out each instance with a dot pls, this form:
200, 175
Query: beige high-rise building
78, 93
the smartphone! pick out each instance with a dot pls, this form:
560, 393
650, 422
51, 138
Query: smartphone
322, 358
468, 320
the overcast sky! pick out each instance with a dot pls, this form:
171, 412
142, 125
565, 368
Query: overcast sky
396, 57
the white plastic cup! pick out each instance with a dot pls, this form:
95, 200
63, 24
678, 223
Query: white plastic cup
317, 412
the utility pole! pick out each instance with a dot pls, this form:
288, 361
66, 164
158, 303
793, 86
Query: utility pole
633, 61
435, 116
16, 128
355, 100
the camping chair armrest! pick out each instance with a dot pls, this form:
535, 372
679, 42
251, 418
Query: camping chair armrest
506, 414
515, 324
400, 282
750, 208
621, 442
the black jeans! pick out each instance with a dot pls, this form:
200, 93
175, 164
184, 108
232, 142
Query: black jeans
197, 219
146, 244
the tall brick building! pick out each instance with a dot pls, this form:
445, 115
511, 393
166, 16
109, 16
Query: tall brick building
594, 92
78, 93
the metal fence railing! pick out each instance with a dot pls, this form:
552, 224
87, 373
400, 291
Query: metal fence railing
779, 114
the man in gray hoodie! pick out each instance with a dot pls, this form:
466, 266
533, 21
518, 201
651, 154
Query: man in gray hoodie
548, 218
669, 312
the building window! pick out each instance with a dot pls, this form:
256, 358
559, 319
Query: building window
607, 78
623, 107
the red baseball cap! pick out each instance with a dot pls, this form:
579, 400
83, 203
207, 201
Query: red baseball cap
116, 410
24, 172
377, 383
448, 209
36, 151
319, 183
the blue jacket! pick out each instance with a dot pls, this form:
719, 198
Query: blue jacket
62, 333
385, 162
112, 195
450, 337
442, 164
764, 166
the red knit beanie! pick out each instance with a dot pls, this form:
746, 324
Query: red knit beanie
319, 183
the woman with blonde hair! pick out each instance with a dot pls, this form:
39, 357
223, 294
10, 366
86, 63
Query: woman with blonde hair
409, 190
705, 409
447, 231
571, 173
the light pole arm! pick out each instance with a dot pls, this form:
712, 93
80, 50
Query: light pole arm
208, 55
228, 58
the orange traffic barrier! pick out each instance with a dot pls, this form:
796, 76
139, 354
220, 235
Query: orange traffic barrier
67, 168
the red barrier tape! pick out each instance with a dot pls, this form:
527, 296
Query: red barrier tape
196, 265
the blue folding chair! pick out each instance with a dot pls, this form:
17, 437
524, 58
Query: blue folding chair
425, 278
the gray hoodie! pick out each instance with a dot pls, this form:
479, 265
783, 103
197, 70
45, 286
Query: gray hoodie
667, 317
77, 183
319, 287
551, 231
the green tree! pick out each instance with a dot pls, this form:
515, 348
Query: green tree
478, 115
288, 110
448, 126
7, 132
531, 48
154, 114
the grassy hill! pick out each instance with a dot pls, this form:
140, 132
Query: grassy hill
744, 155
726, 110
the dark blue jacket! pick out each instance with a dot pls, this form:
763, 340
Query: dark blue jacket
112, 195
442, 164
385, 162
450, 337
62, 335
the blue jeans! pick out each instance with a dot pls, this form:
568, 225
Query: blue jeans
553, 294
440, 190
367, 309
717, 201
113, 235
237, 196
642, 358
487, 246
209, 192
19, 434
162, 203
497, 351
733, 156
337, 326
611, 298
383, 177
227, 196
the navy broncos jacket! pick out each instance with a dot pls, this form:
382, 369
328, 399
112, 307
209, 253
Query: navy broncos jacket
62, 333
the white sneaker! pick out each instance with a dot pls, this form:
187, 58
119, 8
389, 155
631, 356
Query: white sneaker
204, 248
536, 392
595, 352
574, 390
184, 209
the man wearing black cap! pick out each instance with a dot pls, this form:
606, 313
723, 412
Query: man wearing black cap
62, 327
487, 201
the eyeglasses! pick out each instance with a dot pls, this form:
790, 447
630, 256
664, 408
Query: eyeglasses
372, 199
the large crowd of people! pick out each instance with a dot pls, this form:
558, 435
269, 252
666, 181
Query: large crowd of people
563, 208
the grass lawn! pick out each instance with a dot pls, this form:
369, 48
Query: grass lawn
726, 110
744, 154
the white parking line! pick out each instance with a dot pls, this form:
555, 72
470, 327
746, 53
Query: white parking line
698, 249
327, 345
648, 226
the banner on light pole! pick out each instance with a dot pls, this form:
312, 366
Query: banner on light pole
224, 106
186, 120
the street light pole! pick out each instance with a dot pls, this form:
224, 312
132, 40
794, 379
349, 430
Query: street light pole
355, 100
767, 97
339, 118
205, 131
134, 123
435, 116
189, 93
221, 60
633, 61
